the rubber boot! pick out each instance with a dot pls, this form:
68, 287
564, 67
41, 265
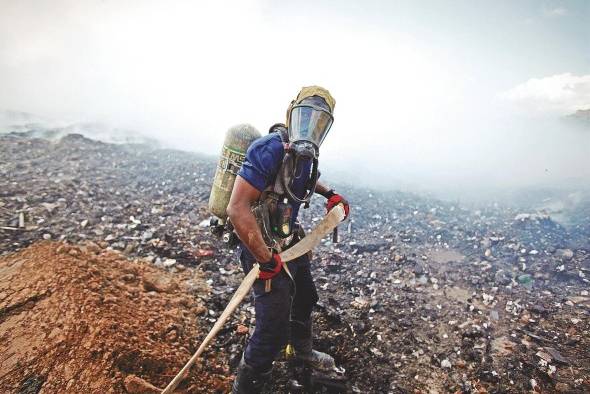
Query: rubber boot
318, 360
313, 358
302, 341
249, 381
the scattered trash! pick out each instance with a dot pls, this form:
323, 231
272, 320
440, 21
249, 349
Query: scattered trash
204, 253
419, 295
241, 329
525, 279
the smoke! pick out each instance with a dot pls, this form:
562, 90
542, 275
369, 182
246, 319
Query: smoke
483, 158
423, 102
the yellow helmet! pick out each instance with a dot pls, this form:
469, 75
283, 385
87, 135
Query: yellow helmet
309, 116
309, 91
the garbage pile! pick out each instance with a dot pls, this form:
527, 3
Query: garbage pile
418, 294
142, 201
432, 296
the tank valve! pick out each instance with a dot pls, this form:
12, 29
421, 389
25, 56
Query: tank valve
216, 226
230, 238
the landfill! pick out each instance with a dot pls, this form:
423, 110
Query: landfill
419, 295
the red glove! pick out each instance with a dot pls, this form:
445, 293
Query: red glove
271, 268
336, 199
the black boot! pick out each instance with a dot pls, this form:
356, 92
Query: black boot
303, 345
249, 381
315, 359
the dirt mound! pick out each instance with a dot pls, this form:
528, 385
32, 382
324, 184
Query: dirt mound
86, 320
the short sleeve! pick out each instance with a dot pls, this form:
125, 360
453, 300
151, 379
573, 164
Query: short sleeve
262, 162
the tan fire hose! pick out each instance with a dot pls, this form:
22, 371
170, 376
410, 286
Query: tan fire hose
328, 223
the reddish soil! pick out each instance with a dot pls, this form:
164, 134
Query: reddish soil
85, 320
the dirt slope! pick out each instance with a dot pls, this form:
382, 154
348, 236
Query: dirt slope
85, 320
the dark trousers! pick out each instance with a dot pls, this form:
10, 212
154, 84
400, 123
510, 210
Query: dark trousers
282, 314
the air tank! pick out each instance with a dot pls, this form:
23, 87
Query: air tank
236, 143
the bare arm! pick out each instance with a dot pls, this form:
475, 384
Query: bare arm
321, 189
243, 220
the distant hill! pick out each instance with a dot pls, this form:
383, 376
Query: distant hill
34, 126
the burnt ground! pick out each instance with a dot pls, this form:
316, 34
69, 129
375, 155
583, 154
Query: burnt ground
419, 295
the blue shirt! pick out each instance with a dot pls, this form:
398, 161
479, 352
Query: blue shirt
262, 163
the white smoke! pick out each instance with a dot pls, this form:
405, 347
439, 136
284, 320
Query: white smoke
415, 108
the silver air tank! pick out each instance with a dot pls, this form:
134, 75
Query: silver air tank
237, 141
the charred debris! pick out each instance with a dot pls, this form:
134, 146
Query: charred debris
419, 295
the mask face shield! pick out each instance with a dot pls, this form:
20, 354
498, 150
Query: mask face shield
309, 123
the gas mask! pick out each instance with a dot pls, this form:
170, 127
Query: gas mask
309, 119
309, 124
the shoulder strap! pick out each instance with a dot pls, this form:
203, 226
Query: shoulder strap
276, 187
283, 132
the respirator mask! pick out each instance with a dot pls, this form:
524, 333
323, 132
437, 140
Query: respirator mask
309, 124
309, 119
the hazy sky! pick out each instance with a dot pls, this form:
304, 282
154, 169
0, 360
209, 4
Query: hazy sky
430, 92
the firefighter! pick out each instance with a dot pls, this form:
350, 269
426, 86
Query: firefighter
279, 174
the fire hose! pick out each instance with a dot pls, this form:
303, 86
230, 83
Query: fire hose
328, 223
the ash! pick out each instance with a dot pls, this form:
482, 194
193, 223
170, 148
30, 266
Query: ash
418, 295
